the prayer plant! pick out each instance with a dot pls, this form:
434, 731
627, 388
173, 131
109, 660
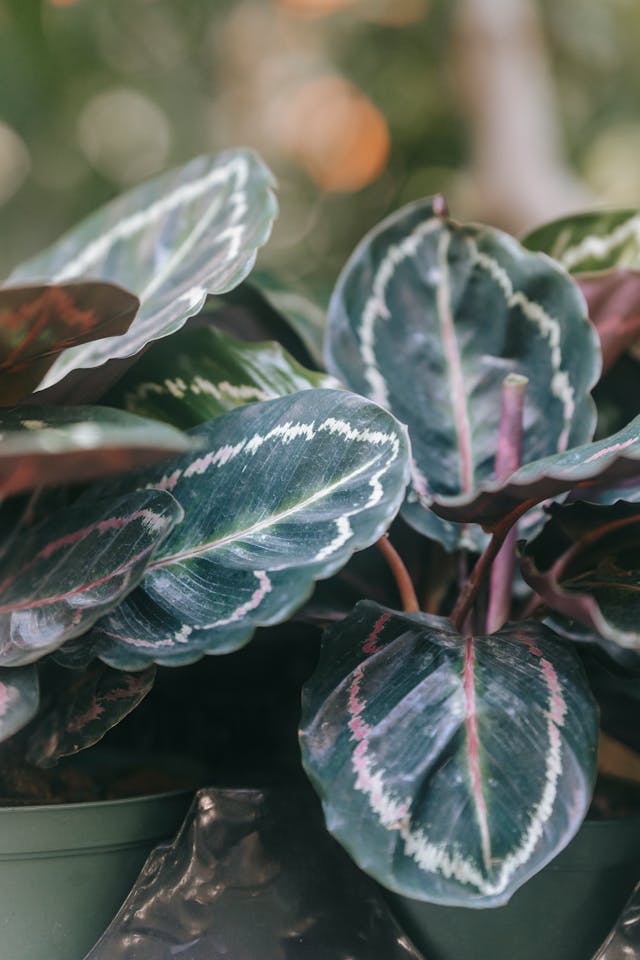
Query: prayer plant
453, 742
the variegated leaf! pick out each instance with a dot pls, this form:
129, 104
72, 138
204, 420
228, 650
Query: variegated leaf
19, 698
602, 249
428, 318
45, 446
284, 492
199, 374
85, 710
590, 242
38, 322
65, 573
590, 466
189, 232
586, 565
451, 768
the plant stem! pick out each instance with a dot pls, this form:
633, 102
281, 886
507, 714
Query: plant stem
482, 567
508, 459
401, 575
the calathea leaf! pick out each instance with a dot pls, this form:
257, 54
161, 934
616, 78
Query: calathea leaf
45, 446
428, 317
592, 466
38, 322
602, 249
85, 710
19, 697
282, 495
186, 233
68, 571
586, 565
451, 768
199, 374
296, 305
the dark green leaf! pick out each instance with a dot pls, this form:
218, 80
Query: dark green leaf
19, 697
304, 314
592, 465
60, 577
38, 322
586, 565
199, 374
428, 318
284, 492
451, 768
591, 242
187, 233
91, 705
45, 446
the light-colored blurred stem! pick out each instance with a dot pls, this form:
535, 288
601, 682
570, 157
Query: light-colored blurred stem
520, 175
508, 459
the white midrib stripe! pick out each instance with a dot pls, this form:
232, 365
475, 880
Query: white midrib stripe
598, 247
265, 524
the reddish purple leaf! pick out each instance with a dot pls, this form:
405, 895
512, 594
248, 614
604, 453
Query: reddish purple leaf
38, 322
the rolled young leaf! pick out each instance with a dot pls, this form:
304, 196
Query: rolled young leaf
282, 495
38, 322
427, 319
199, 374
452, 768
45, 446
592, 465
89, 707
586, 565
65, 573
173, 240
19, 697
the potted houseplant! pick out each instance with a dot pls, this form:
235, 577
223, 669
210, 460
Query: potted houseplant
453, 742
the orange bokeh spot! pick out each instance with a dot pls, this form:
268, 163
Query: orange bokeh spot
62, 3
335, 133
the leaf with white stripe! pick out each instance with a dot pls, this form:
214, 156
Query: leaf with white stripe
83, 711
19, 698
199, 374
602, 250
192, 231
65, 573
282, 494
591, 467
45, 446
585, 564
428, 317
452, 768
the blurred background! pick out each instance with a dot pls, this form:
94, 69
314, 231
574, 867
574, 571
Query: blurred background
518, 110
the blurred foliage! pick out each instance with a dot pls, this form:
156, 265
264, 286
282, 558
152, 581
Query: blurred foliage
354, 103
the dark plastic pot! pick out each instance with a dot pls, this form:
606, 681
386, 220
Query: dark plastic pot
65, 869
563, 913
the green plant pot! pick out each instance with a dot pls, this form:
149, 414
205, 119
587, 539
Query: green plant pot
65, 869
563, 913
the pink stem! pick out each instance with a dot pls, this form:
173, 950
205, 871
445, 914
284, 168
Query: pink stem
508, 459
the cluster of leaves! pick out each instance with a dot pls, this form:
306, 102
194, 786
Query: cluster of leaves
455, 749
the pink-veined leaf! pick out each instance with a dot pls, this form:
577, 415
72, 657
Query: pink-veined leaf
452, 768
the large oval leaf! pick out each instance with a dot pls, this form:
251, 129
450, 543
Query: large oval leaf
38, 322
89, 706
451, 768
590, 466
60, 577
45, 446
428, 318
284, 492
19, 698
186, 233
586, 565
199, 374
